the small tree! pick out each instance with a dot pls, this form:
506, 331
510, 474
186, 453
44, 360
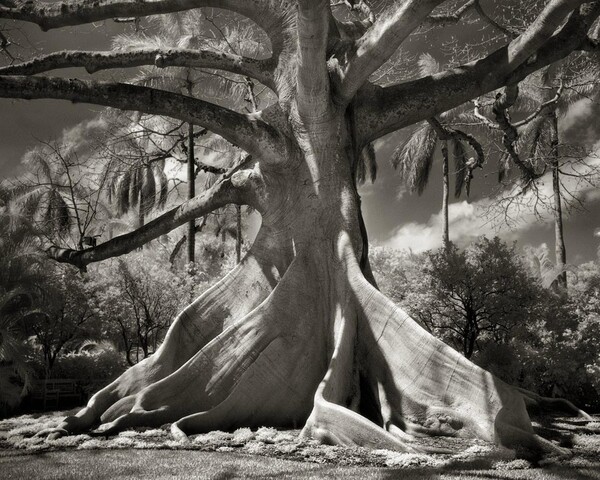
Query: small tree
67, 319
479, 294
138, 298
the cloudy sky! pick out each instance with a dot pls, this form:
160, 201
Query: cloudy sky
398, 219
394, 217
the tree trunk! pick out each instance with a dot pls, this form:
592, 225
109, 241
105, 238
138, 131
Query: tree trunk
445, 195
141, 213
559, 239
238, 233
191, 178
296, 334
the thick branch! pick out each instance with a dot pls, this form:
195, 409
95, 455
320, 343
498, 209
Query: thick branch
78, 12
234, 187
313, 78
380, 42
383, 110
173, 57
247, 131
538, 33
451, 18
460, 13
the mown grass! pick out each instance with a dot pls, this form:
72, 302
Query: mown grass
267, 453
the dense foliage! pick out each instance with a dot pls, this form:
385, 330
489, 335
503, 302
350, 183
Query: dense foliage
487, 303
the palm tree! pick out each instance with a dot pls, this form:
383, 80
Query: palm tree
43, 195
60, 193
414, 157
138, 186
21, 290
185, 30
539, 142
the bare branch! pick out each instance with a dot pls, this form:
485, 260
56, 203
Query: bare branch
173, 57
380, 41
502, 29
383, 110
247, 131
538, 33
266, 13
451, 18
543, 109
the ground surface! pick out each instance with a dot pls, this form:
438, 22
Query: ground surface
268, 453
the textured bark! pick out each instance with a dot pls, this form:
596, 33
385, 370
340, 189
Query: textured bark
173, 57
191, 179
445, 195
559, 237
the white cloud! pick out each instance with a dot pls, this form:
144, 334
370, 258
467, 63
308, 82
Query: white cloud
465, 223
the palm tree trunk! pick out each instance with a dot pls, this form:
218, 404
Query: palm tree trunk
445, 195
559, 239
191, 230
238, 236
141, 213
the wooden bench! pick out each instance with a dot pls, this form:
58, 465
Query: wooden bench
52, 391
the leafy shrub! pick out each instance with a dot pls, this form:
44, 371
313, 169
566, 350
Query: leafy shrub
93, 369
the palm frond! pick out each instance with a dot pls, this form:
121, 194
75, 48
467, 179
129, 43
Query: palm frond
414, 158
126, 41
366, 165
57, 212
148, 190
459, 154
123, 204
428, 65
503, 167
135, 187
162, 183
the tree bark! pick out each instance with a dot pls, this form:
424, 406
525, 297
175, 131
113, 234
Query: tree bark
191, 178
238, 233
445, 195
559, 238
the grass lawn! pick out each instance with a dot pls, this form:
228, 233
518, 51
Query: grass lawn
268, 453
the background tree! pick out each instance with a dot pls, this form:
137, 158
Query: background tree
138, 297
61, 194
67, 319
21, 293
297, 333
533, 147
479, 294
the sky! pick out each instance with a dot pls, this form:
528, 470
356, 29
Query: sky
394, 217
398, 219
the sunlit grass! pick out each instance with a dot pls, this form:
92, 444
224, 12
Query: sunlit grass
267, 451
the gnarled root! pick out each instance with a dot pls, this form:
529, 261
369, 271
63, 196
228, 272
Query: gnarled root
262, 370
234, 296
322, 347
535, 402
431, 389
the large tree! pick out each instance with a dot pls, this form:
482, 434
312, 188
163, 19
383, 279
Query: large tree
298, 333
